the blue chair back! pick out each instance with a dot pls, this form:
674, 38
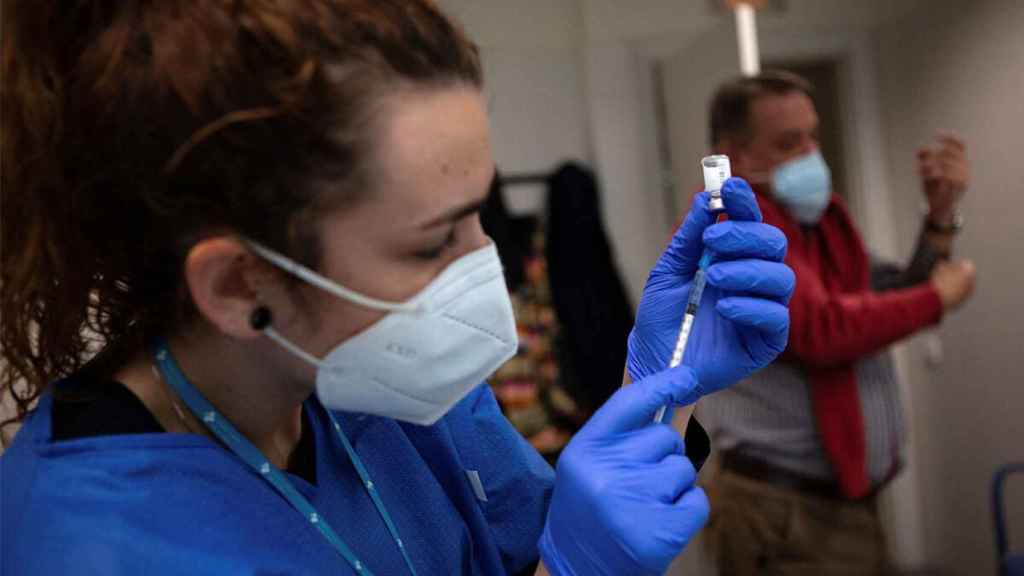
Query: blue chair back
1009, 564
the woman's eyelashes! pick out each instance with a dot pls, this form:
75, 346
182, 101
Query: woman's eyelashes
437, 251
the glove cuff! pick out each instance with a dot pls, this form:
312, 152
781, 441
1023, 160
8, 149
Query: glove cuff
633, 366
549, 555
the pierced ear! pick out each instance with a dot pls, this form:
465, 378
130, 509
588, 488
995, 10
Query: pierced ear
220, 275
260, 319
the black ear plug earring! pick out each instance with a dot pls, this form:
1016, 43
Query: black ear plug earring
260, 318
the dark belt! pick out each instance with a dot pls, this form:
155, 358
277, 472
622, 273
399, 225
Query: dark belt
761, 471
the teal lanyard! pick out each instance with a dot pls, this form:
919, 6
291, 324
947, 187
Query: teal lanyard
204, 411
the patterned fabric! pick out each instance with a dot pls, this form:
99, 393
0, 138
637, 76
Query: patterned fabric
528, 386
770, 417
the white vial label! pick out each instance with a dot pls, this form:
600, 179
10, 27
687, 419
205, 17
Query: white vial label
716, 171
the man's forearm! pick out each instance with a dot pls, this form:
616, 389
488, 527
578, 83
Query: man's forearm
829, 330
931, 248
940, 243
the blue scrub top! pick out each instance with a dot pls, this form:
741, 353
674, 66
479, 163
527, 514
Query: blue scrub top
468, 496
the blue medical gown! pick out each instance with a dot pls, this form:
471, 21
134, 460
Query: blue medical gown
181, 504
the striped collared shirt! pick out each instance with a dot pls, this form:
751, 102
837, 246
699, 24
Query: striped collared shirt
769, 416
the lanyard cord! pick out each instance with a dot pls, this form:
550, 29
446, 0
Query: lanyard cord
226, 432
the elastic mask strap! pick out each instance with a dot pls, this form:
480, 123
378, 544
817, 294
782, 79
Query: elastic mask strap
287, 345
296, 269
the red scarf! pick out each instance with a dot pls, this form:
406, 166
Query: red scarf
835, 249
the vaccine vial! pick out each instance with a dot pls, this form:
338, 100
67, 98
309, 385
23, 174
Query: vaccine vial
716, 171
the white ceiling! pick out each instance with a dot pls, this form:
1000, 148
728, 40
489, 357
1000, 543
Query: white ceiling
655, 25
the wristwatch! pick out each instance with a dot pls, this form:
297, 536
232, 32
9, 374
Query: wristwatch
955, 224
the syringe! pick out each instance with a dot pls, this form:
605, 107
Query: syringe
716, 171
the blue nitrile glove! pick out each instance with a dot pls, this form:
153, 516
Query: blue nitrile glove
743, 320
624, 499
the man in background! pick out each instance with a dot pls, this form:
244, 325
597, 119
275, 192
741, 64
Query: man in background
807, 443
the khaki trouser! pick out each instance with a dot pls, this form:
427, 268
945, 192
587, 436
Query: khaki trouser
757, 528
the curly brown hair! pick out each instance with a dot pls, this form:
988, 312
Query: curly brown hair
134, 128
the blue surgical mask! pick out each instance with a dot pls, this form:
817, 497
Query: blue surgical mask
804, 186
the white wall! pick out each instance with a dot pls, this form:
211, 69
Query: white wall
553, 96
621, 108
960, 65
690, 82
571, 79
533, 68
622, 40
